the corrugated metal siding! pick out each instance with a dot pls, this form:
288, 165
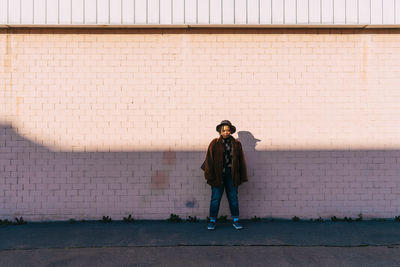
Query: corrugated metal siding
200, 12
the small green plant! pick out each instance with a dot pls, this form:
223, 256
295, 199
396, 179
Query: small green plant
106, 219
129, 219
83, 220
360, 217
174, 218
5, 222
348, 219
222, 219
379, 219
397, 218
255, 219
192, 219
317, 220
19, 221
72, 221
295, 219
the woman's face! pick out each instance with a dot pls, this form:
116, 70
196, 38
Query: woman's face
225, 131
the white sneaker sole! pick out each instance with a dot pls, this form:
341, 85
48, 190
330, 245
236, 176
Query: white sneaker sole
237, 228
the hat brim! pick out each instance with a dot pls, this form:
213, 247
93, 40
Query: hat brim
233, 128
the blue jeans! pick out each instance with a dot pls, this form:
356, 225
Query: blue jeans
231, 194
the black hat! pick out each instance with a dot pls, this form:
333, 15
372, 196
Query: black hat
226, 122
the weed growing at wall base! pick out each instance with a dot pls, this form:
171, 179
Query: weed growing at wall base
192, 219
5, 222
222, 219
128, 219
18, 221
106, 219
347, 219
317, 220
174, 218
295, 219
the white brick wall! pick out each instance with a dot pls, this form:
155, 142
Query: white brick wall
101, 122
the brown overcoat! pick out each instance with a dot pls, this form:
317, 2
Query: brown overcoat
214, 163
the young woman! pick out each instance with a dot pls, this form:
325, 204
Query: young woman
225, 168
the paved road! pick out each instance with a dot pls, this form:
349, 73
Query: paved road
160, 243
204, 256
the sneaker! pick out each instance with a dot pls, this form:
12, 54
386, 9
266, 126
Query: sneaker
211, 225
237, 225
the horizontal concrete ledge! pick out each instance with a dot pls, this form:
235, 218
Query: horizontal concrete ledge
375, 26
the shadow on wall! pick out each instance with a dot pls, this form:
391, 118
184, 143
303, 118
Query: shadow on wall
40, 184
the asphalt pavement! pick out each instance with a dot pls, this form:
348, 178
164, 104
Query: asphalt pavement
163, 243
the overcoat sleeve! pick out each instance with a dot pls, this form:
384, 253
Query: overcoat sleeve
243, 168
209, 173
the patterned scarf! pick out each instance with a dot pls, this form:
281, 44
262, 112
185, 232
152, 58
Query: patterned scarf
227, 153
